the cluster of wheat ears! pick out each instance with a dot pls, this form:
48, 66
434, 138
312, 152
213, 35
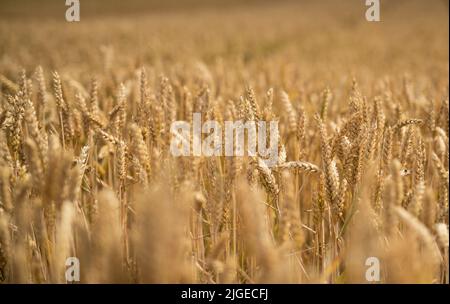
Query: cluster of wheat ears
90, 175
86, 169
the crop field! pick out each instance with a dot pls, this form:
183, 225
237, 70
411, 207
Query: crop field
359, 189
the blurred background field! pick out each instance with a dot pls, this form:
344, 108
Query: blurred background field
322, 35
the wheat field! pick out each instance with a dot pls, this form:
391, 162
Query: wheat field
86, 170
